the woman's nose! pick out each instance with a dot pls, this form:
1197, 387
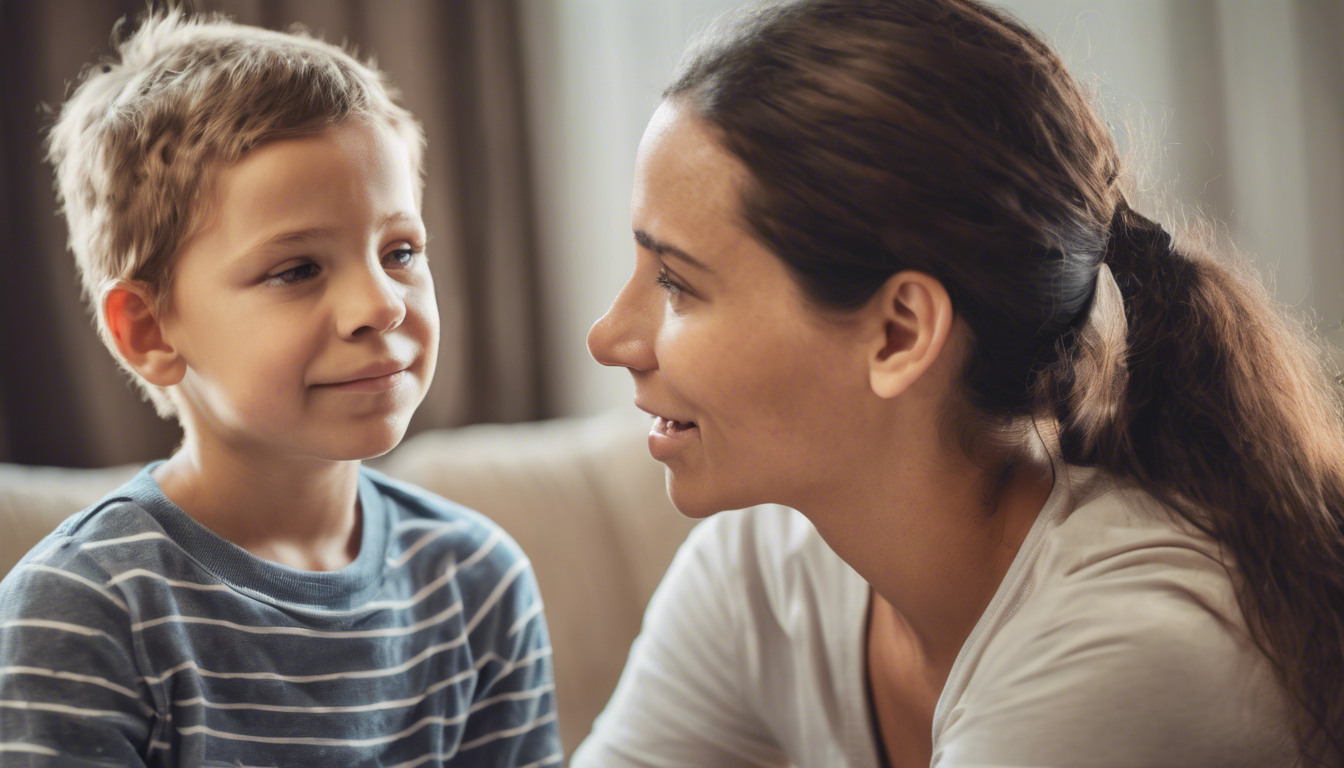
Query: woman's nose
623, 336
372, 303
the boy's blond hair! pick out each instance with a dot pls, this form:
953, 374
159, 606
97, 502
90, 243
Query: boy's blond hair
137, 143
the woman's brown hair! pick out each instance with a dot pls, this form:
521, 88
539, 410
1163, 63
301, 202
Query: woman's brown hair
943, 136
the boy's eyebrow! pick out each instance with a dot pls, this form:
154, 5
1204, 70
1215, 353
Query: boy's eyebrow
297, 236
666, 249
318, 233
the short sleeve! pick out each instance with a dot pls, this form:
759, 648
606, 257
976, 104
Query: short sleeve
70, 694
1145, 665
681, 699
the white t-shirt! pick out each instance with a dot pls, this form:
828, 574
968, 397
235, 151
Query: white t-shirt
1113, 640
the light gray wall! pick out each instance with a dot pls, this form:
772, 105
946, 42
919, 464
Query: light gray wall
1234, 108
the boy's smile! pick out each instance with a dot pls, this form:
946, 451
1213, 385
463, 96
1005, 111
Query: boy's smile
303, 310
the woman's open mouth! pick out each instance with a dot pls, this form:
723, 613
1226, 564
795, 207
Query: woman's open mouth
669, 436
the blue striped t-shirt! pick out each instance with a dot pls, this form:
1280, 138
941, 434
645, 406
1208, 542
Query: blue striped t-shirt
132, 635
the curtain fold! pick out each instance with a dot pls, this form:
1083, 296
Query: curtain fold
62, 399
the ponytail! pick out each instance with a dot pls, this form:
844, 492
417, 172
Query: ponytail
1220, 408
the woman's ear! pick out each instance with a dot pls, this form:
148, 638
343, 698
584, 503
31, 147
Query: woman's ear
134, 325
912, 319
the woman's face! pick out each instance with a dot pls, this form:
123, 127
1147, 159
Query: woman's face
757, 398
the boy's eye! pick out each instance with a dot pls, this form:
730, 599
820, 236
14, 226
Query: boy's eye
293, 275
401, 257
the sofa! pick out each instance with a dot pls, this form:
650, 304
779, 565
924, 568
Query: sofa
581, 496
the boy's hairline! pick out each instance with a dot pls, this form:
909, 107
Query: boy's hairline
202, 214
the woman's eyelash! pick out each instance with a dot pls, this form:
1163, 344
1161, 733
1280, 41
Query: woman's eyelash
664, 281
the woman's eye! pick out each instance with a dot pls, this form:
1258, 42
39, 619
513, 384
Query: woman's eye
401, 257
291, 276
666, 283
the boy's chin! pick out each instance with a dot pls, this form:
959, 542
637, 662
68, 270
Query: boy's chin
368, 443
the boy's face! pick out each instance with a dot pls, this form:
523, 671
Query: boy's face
303, 309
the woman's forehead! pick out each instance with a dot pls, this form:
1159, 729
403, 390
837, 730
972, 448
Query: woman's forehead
687, 186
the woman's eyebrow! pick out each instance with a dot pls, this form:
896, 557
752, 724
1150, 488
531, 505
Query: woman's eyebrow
664, 249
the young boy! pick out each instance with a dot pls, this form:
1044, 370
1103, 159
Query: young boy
244, 206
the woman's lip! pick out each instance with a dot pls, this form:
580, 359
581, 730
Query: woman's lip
371, 384
665, 441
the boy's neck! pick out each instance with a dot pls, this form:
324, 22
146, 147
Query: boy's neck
302, 513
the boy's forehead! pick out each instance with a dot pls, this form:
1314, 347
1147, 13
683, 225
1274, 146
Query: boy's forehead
351, 177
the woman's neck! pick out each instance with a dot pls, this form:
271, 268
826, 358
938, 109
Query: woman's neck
934, 538
297, 512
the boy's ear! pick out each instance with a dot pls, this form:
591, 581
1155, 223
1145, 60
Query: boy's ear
913, 317
133, 322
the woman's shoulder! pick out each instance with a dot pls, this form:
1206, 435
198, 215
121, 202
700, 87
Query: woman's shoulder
1118, 542
1128, 640
1123, 565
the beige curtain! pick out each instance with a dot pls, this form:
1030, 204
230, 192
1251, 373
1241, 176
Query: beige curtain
457, 64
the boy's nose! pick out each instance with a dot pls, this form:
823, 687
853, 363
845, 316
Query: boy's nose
622, 336
373, 303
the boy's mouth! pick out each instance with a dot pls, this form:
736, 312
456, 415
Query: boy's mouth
379, 370
371, 383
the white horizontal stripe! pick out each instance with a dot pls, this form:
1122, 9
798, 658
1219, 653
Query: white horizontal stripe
528, 615
146, 536
72, 676
449, 574
355, 675
486, 547
47, 624
420, 543
318, 741
415, 599
375, 706
412, 523
31, 749
141, 572
505, 582
531, 693
509, 666
421, 760
325, 634
61, 708
95, 586
506, 733
153, 745
425, 758
393, 704
552, 760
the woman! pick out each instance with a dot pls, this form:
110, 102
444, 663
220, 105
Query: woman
1067, 492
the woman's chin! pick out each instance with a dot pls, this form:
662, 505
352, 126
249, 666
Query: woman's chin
695, 501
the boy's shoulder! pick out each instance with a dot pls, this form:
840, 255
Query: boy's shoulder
69, 579
119, 518
427, 527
